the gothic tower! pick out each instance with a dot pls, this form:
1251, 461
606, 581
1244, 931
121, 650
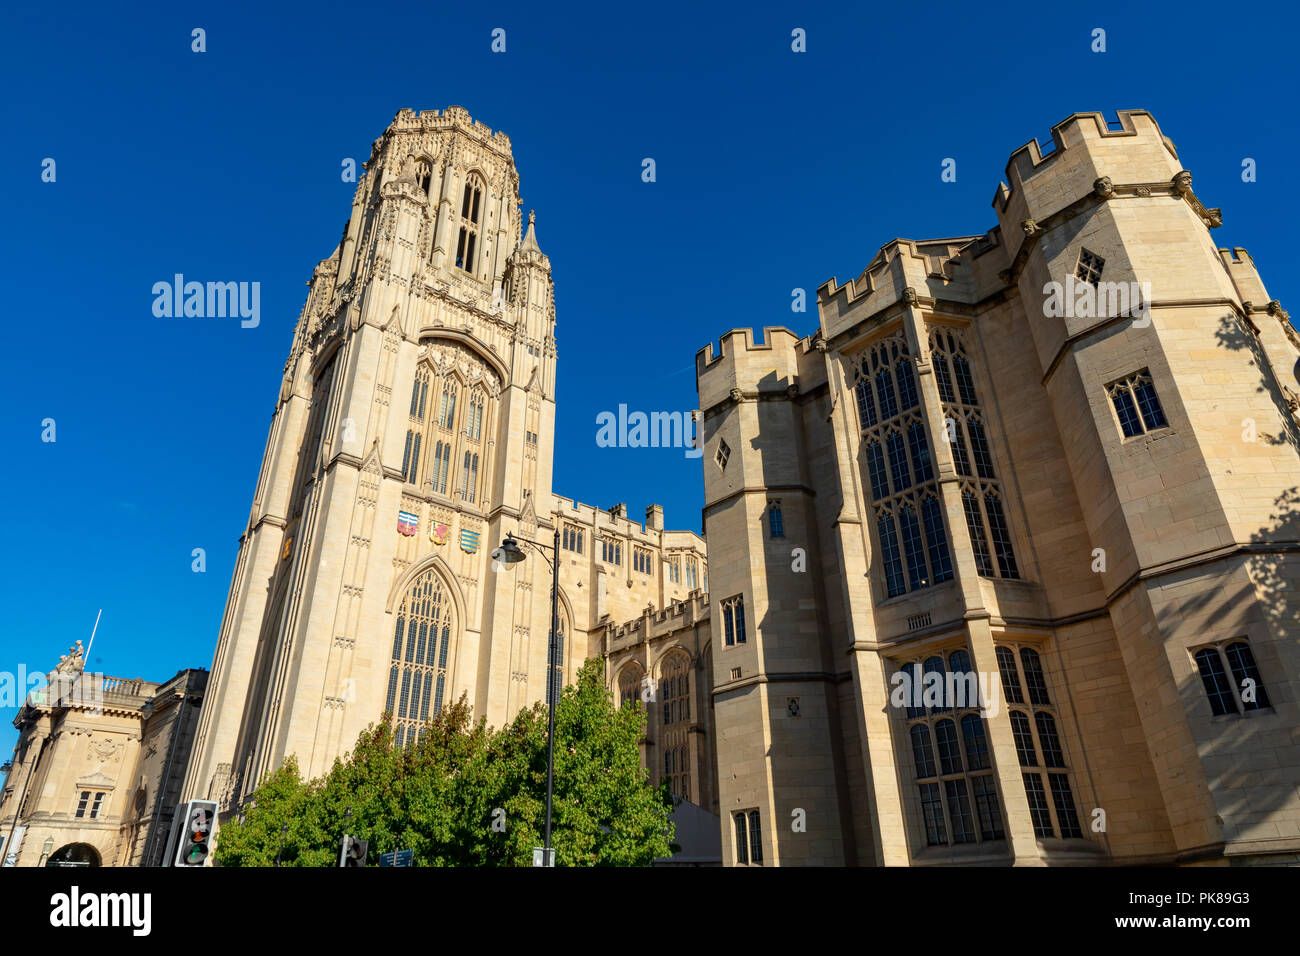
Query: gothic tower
413, 430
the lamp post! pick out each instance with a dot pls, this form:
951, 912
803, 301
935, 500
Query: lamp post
511, 553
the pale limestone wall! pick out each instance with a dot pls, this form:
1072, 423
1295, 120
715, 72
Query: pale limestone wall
1175, 512
114, 748
303, 658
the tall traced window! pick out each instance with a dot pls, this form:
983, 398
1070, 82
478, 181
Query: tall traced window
452, 403
469, 477
733, 620
1244, 692
674, 694
441, 467
470, 211
571, 539
775, 520
474, 417
417, 676
692, 574
629, 684
1042, 757
1136, 404
913, 548
749, 837
674, 569
611, 552
423, 175
447, 404
642, 561
951, 757
674, 689
972, 456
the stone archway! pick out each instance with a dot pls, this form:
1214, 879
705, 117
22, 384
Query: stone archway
74, 854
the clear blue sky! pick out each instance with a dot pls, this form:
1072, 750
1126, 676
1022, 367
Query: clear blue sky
775, 171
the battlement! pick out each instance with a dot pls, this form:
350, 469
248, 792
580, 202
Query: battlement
589, 516
896, 266
453, 117
1245, 277
660, 622
1089, 131
1088, 153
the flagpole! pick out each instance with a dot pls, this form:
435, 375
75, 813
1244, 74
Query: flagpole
92, 634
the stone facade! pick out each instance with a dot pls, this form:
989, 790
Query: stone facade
96, 774
1084, 495
414, 432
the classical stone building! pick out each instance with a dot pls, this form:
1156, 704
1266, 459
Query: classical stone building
413, 432
96, 774
1060, 457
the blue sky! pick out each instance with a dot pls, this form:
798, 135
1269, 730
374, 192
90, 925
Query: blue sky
775, 170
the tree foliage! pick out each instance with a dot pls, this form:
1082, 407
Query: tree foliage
467, 795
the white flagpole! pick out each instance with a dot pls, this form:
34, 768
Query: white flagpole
92, 635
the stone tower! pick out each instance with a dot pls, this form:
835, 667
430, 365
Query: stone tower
1059, 459
413, 430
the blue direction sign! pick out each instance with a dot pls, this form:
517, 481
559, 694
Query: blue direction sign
399, 858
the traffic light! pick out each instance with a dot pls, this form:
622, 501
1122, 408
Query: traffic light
196, 833
354, 852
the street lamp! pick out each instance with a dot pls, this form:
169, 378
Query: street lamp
510, 553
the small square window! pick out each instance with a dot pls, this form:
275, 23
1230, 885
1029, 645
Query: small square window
1089, 267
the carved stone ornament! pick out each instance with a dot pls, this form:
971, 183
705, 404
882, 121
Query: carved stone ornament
1183, 182
1030, 227
736, 395
1144, 191
909, 295
1103, 187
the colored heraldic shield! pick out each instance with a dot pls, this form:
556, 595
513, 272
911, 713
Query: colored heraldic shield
469, 541
407, 522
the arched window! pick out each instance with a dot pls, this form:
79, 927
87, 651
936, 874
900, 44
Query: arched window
441, 467
958, 799
934, 665
629, 685
1216, 683
421, 647
1242, 662
469, 477
423, 175
675, 689
1010, 677
474, 417
470, 210
447, 405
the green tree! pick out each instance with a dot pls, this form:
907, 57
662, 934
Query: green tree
441, 796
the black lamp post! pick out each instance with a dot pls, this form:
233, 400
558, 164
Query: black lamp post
511, 553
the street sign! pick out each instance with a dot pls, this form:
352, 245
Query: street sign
400, 858
540, 855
